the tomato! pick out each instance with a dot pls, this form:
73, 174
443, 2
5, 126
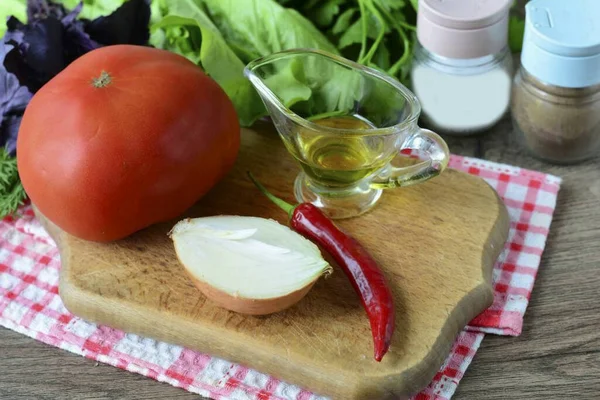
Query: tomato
125, 137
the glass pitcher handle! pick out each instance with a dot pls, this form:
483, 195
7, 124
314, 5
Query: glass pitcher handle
424, 141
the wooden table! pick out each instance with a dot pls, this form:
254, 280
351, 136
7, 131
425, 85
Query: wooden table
557, 356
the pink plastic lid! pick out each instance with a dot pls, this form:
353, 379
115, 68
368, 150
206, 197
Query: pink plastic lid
463, 28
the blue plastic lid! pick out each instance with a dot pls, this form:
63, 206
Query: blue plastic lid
569, 28
562, 41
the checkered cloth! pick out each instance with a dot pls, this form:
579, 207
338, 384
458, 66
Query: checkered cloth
29, 301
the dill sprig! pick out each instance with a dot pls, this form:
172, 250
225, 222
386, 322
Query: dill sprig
12, 194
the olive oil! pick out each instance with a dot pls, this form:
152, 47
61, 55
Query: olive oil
342, 159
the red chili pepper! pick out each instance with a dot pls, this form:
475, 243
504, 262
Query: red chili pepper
359, 266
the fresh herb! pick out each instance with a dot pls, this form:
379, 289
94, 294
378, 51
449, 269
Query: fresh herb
221, 37
91, 10
12, 194
516, 31
53, 37
13, 99
377, 33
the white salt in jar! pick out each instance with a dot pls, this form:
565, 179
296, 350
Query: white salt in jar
462, 69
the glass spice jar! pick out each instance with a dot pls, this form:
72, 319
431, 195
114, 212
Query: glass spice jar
556, 93
462, 69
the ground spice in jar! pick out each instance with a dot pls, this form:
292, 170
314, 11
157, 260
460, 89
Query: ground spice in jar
556, 93
555, 123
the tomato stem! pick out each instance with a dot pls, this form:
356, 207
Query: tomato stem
285, 206
102, 81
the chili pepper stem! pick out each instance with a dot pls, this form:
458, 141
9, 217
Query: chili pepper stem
285, 206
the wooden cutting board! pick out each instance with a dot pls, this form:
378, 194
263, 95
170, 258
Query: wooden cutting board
437, 243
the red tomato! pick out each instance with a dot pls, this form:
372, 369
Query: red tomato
125, 137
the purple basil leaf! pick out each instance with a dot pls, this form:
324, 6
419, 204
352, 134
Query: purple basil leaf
72, 16
54, 37
15, 32
126, 25
42, 9
9, 129
14, 62
13, 100
41, 50
44, 52
77, 42
13, 97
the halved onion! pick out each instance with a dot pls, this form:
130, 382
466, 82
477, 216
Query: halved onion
249, 265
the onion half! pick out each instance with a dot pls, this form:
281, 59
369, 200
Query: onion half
249, 265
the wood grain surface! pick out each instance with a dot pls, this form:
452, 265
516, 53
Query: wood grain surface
324, 342
556, 357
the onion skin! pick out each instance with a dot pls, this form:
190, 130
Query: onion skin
247, 306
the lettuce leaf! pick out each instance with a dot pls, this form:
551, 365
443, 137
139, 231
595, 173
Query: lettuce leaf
222, 37
187, 30
245, 28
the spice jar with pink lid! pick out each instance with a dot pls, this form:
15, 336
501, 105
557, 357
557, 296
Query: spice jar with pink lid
462, 68
556, 93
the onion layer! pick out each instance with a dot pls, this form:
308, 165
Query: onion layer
249, 265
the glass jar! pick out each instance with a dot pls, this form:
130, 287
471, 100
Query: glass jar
462, 96
556, 93
556, 124
462, 69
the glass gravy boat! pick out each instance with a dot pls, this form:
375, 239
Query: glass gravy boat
345, 124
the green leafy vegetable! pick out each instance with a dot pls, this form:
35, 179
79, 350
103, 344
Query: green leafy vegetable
344, 21
325, 12
377, 33
516, 31
246, 27
12, 194
222, 37
190, 32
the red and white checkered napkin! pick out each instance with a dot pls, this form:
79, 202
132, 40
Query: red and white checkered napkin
29, 301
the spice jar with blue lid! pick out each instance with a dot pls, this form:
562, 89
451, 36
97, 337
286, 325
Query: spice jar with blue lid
462, 67
556, 93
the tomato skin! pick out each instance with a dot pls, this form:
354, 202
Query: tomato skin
104, 162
